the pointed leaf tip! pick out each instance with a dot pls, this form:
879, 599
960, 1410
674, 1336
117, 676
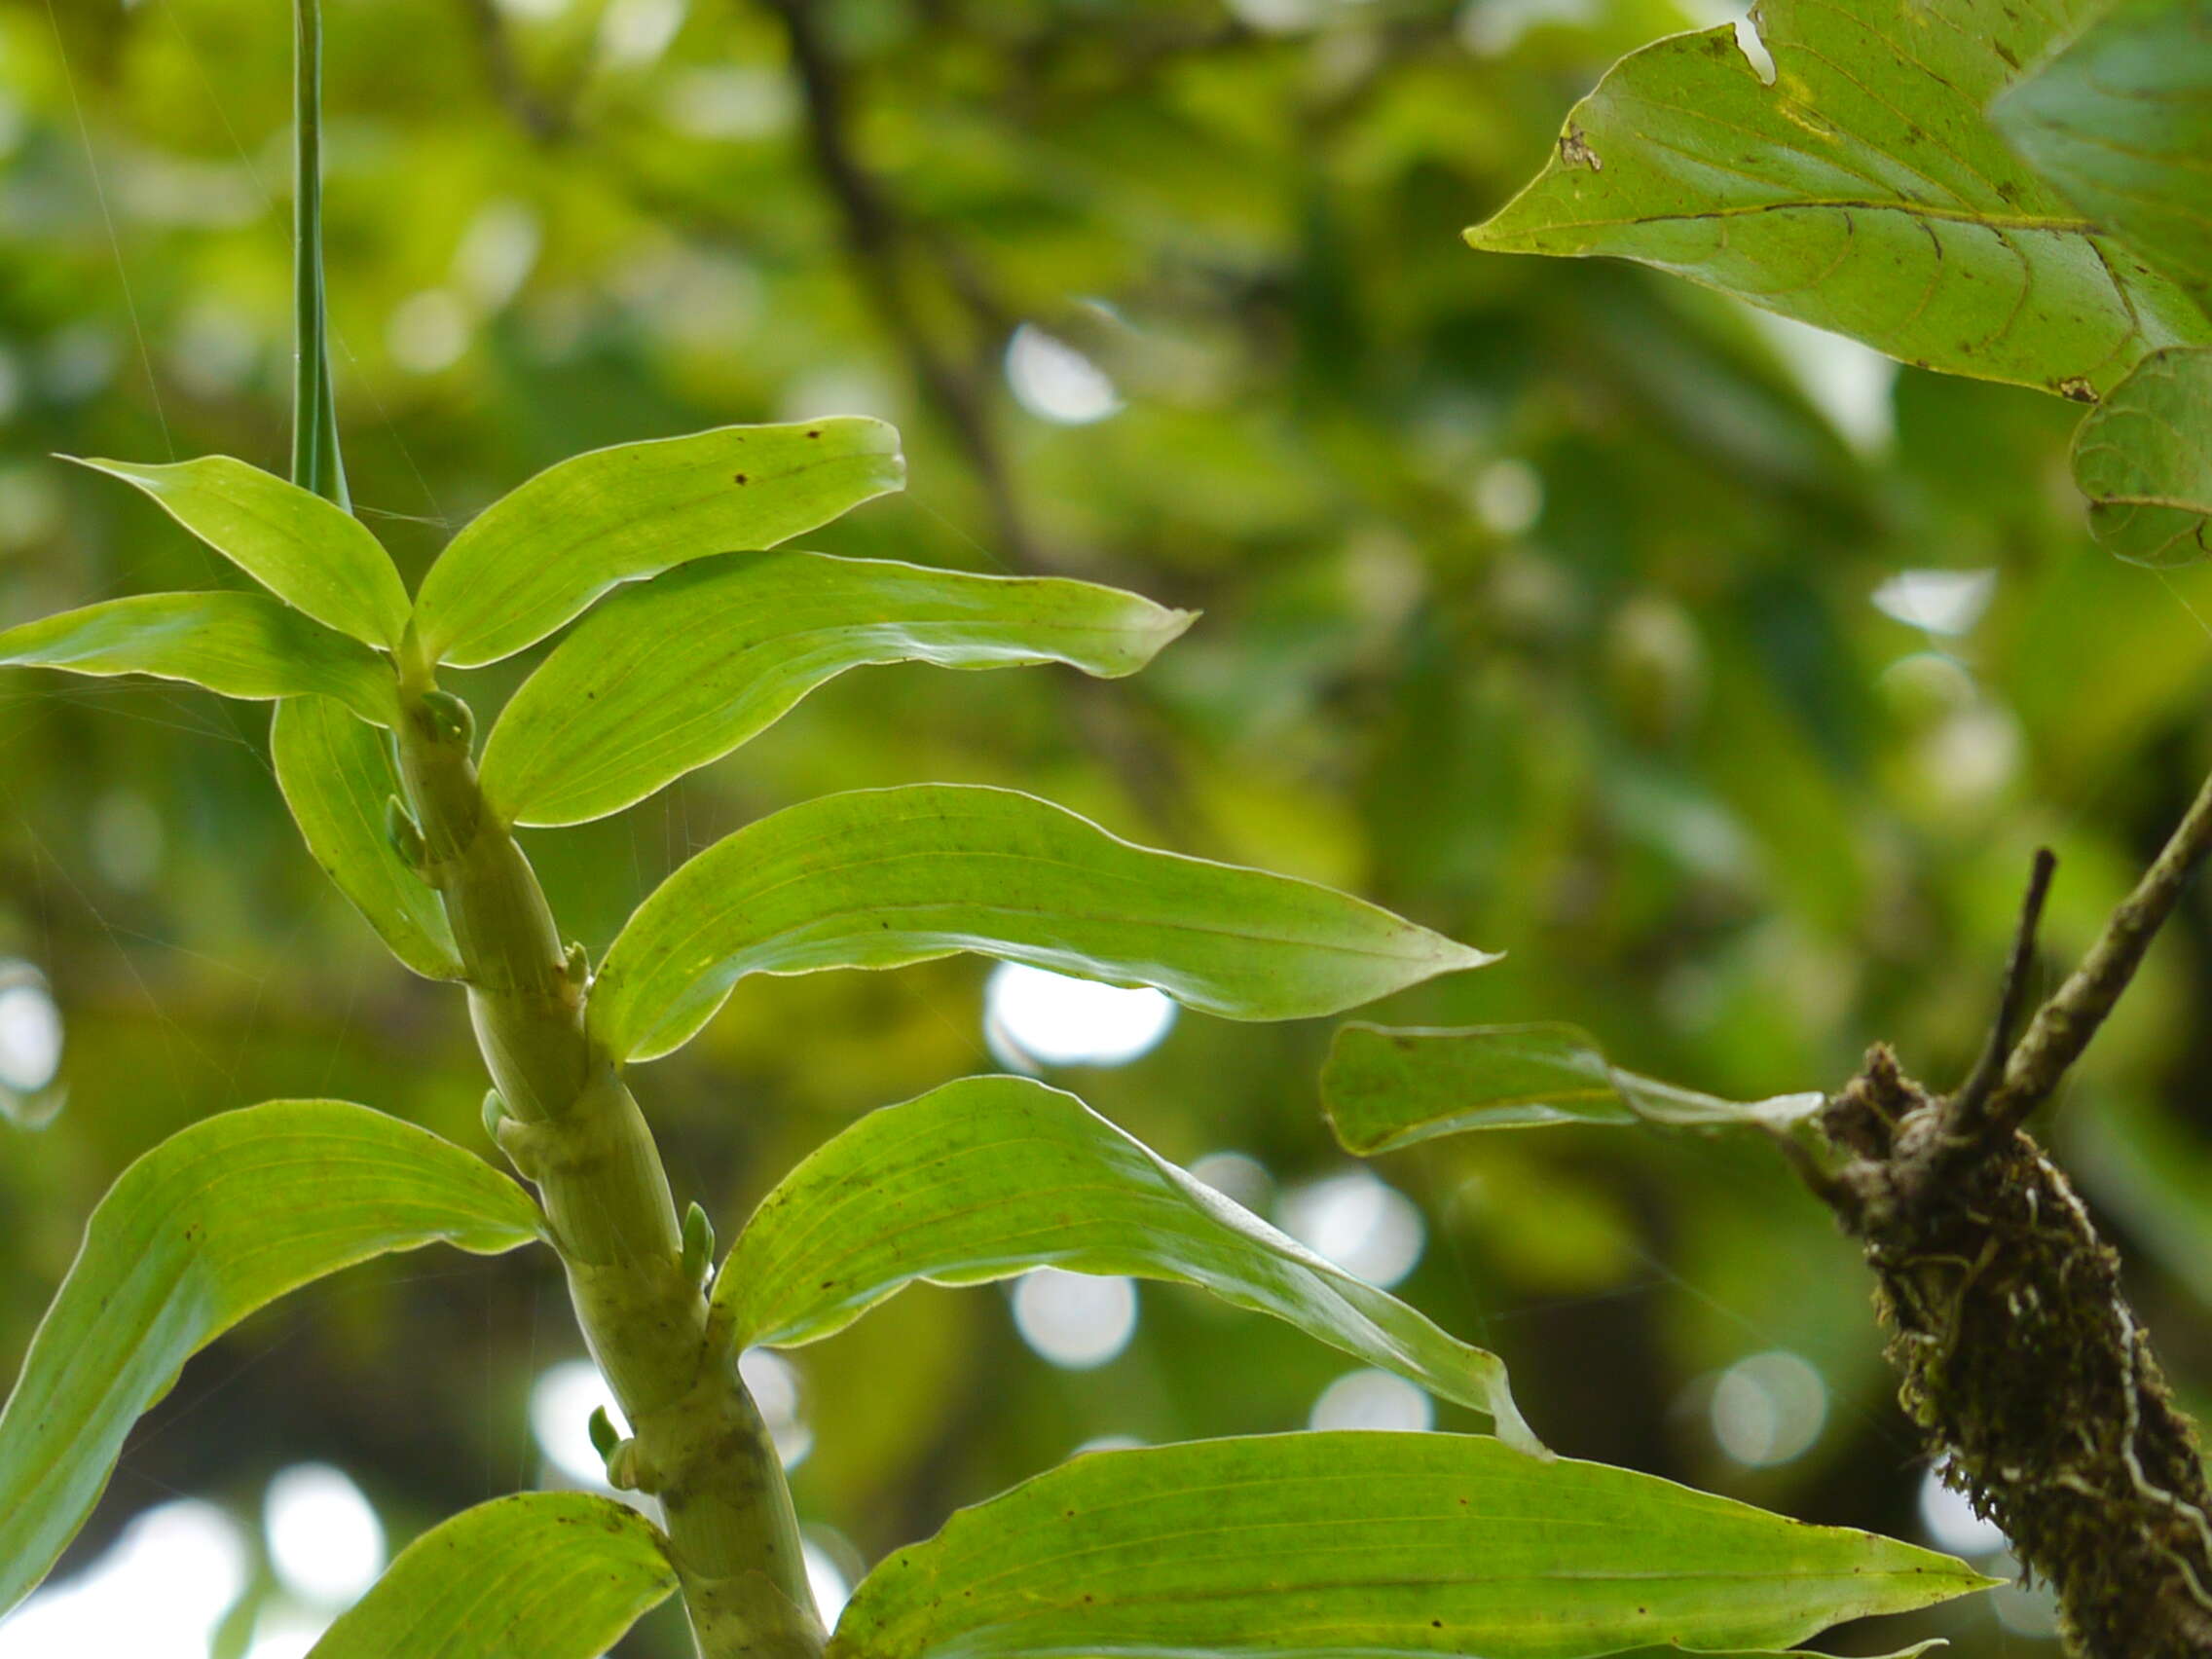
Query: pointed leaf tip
1391, 1546
309, 552
881, 878
681, 671
991, 1176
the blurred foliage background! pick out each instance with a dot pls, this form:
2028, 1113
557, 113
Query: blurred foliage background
1722, 673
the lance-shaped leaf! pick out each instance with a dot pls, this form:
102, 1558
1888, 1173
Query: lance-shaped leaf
992, 1177
2144, 459
1371, 1545
215, 1222
547, 1574
1864, 191
1384, 1089
307, 551
2121, 121
676, 674
337, 776
538, 557
877, 879
243, 644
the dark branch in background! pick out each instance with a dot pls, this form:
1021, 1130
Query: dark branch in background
2020, 1356
544, 122
1967, 1105
878, 240
885, 251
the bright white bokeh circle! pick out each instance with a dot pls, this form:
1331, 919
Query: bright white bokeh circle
561, 1404
324, 1539
158, 1593
30, 1029
1951, 1523
1056, 382
1238, 1178
1769, 1409
773, 1382
1033, 1018
1366, 1227
1374, 1399
1078, 1321
831, 1591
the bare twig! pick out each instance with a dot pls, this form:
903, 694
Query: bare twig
2063, 1026
1972, 1096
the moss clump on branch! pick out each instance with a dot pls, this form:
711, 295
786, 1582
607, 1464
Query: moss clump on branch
2022, 1360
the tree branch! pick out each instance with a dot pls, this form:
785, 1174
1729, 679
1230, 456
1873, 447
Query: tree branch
2063, 1025
876, 236
882, 245
1967, 1105
544, 122
2018, 1354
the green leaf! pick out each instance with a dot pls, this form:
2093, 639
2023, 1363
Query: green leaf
538, 557
990, 1176
1370, 1544
877, 879
215, 1222
1384, 1089
674, 674
546, 1574
2121, 121
243, 644
1900, 217
337, 776
2144, 459
305, 550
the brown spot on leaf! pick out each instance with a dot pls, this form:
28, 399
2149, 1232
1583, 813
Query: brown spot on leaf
2074, 389
1574, 150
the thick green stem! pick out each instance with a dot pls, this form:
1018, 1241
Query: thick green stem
567, 1118
316, 461
571, 1125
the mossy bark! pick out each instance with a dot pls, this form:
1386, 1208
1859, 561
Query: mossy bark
2029, 1372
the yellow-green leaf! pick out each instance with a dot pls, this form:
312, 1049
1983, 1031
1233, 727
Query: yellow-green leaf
215, 1222
337, 776
1372, 1545
538, 557
243, 644
538, 1576
2121, 121
1384, 1089
307, 551
991, 1176
878, 878
677, 673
